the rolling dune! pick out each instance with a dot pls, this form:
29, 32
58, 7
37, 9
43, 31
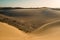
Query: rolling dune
29, 20
30, 24
50, 32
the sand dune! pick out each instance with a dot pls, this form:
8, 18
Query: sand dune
41, 24
50, 32
8, 32
29, 20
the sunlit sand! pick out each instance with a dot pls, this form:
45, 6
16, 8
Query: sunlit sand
8, 32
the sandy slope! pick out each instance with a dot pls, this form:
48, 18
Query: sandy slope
8, 32
28, 20
51, 32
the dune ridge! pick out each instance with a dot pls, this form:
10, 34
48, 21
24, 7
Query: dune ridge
29, 20
50, 32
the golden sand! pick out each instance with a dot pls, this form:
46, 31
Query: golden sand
8, 32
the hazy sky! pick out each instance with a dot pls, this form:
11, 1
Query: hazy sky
29, 3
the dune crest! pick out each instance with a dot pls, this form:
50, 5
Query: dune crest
29, 20
8, 32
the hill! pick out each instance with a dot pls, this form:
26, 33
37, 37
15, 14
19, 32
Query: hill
50, 32
29, 20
